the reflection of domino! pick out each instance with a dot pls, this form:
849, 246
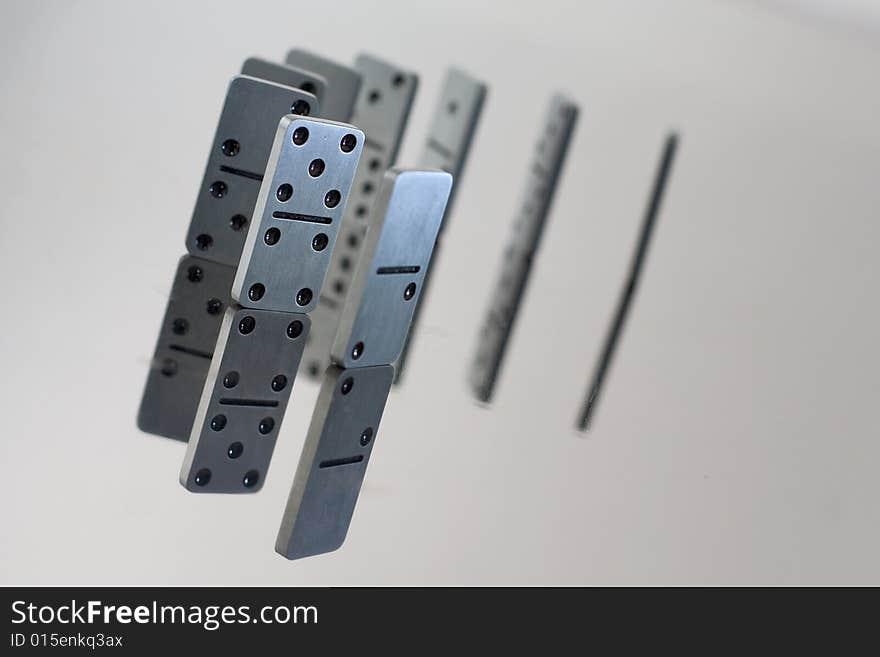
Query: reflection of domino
530, 222
283, 264
384, 294
224, 206
449, 140
382, 111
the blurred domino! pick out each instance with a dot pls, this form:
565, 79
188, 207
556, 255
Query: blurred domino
528, 228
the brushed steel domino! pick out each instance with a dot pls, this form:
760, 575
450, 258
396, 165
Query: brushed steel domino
343, 430
389, 276
243, 402
382, 112
304, 227
237, 163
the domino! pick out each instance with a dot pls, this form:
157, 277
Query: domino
199, 297
377, 314
236, 165
528, 228
308, 179
452, 131
454, 124
382, 111
390, 274
631, 283
343, 83
334, 460
289, 76
246, 392
297, 215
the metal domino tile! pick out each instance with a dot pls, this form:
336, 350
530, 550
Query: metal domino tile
587, 411
337, 449
454, 123
382, 112
389, 276
297, 215
196, 304
237, 163
539, 187
343, 83
246, 393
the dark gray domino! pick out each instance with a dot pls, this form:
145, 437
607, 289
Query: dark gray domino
199, 297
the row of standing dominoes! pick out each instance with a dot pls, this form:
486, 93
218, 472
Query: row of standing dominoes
241, 316
255, 347
376, 95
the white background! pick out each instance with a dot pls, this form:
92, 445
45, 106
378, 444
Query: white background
737, 438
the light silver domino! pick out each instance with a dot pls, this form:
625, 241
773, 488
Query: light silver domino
382, 112
388, 280
289, 243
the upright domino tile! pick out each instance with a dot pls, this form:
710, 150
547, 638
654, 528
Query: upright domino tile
382, 111
224, 208
389, 277
299, 212
246, 393
447, 147
528, 227
334, 460
631, 283
377, 315
237, 162
284, 260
